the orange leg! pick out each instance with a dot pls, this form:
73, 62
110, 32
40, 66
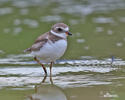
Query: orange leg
44, 68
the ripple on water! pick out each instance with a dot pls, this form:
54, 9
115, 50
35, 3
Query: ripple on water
4, 11
67, 73
103, 20
70, 7
24, 59
67, 76
55, 18
31, 23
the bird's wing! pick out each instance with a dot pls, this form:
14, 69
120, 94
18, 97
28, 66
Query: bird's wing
39, 42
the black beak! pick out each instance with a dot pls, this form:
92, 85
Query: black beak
68, 33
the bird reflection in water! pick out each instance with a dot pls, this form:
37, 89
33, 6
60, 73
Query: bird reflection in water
46, 91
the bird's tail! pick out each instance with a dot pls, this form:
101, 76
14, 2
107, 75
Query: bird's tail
27, 50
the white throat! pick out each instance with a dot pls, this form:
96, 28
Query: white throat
62, 35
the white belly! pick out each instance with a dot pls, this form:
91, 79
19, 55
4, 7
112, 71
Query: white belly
51, 51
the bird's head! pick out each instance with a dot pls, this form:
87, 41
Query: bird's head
61, 30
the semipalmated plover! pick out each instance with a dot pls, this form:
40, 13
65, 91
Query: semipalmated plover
50, 46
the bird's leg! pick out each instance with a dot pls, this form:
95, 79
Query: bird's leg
41, 65
51, 80
44, 79
51, 64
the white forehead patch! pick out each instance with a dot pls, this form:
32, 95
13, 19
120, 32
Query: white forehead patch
65, 29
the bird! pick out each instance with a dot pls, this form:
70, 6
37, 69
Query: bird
50, 46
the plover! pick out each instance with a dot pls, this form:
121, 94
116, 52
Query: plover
50, 46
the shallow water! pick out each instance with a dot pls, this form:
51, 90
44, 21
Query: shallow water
71, 79
92, 68
71, 82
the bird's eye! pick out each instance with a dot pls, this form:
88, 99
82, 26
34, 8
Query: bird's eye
59, 29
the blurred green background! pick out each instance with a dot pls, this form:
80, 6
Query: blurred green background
97, 25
